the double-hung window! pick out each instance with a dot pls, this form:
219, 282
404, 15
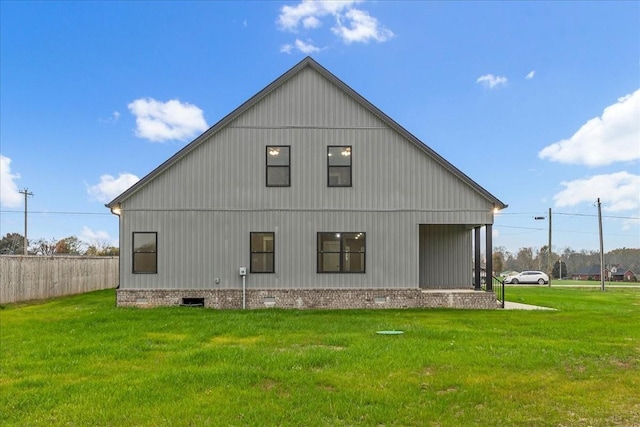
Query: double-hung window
341, 252
145, 252
339, 166
262, 252
278, 166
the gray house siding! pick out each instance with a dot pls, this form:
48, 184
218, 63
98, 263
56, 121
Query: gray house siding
445, 256
204, 201
228, 169
218, 244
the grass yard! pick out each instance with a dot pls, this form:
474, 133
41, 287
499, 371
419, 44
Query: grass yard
596, 283
80, 361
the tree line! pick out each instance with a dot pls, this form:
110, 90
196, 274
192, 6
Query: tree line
568, 261
13, 244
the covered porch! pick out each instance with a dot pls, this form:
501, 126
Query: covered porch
449, 256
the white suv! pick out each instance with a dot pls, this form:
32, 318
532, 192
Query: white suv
528, 277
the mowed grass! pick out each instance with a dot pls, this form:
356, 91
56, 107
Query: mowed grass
81, 361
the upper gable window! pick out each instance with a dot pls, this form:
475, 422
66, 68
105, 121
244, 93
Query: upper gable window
339, 166
278, 166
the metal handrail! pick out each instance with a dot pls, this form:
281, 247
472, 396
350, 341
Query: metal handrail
500, 284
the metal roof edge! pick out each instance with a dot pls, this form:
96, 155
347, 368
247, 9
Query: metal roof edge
211, 131
408, 135
306, 62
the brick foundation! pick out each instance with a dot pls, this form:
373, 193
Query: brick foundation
311, 298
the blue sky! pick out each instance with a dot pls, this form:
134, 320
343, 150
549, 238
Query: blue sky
538, 102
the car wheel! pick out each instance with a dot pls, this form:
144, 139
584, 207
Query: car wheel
514, 281
540, 281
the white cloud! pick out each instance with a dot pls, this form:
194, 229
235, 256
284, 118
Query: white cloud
530, 75
311, 22
115, 116
491, 81
618, 192
306, 48
96, 238
163, 121
359, 26
109, 187
612, 137
351, 24
309, 12
9, 194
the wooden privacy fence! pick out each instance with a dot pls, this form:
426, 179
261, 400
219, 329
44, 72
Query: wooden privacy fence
24, 278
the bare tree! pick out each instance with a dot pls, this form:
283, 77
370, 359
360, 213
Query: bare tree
43, 247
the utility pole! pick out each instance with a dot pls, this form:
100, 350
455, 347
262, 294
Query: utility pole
549, 268
601, 247
26, 194
560, 265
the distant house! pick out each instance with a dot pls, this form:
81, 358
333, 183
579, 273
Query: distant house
618, 273
587, 273
305, 196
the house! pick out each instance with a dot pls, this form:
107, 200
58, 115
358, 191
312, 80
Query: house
618, 273
305, 196
587, 273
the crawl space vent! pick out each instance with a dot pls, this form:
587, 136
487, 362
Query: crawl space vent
192, 302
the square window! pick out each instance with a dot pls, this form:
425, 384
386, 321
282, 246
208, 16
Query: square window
278, 160
145, 254
341, 252
262, 252
339, 165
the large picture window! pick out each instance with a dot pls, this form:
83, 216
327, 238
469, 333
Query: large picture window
145, 252
262, 252
341, 252
339, 166
278, 166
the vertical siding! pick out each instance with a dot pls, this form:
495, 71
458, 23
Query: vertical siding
206, 204
445, 257
390, 246
388, 172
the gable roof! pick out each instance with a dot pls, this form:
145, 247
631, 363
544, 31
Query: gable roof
307, 62
620, 270
593, 269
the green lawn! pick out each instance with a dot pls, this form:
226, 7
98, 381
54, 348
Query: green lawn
583, 283
80, 361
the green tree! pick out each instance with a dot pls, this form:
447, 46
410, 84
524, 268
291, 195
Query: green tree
557, 268
12, 244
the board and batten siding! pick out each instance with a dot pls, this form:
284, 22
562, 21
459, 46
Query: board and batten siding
389, 173
218, 245
204, 206
438, 269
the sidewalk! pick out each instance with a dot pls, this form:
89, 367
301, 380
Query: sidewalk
508, 305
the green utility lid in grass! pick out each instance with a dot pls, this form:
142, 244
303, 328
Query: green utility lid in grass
390, 332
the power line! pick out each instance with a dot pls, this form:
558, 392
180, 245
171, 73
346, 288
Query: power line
60, 213
568, 214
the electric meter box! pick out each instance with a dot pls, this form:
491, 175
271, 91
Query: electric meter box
242, 271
